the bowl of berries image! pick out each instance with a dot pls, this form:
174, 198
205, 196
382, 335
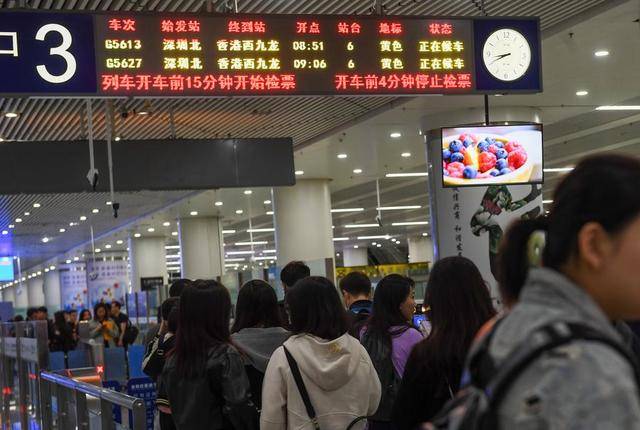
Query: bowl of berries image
485, 159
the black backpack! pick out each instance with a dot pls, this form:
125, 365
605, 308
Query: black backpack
380, 354
131, 333
485, 383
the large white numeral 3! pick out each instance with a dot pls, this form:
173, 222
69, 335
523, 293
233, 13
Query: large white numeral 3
61, 51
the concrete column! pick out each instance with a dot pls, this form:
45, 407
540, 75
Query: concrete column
22, 296
420, 249
148, 258
202, 256
52, 295
9, 295
303, 221
35, 291
355, 257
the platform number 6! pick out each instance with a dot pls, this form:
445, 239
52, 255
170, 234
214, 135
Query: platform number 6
61, 50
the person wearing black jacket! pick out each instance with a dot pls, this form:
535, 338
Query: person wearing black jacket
290, 274
356, 292
204, 376
61, 334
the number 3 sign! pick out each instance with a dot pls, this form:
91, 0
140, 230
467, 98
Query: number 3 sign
46, 52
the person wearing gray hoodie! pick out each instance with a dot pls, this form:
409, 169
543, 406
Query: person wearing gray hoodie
257, 331
337, 373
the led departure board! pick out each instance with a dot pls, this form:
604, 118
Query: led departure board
160, 54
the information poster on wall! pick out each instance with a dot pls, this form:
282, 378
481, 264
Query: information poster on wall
73, 286
471, 221
107, 281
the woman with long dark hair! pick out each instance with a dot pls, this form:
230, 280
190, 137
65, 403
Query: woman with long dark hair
335, 369
459, 303
257, 331
389, 338
204, 375
62, 334
102, 328
589, 276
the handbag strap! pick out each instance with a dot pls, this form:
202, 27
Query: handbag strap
295, 371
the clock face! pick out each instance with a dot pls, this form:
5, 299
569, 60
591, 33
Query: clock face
506, 54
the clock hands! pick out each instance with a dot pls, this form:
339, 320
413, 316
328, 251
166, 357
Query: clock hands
500, 57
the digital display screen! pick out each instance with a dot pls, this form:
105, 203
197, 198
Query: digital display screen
6, 269
492, 155
244, 54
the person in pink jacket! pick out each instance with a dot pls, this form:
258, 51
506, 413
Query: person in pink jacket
336, 370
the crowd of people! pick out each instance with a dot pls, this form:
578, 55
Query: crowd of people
108, 325
318, 360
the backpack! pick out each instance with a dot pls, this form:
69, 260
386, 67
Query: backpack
130, 334
380, 354
485, 382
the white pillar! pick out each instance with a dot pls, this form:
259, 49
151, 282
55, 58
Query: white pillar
148, 259
52, 296
355, 257
201, 250
35, 291
9, 295
303, 221
420, 249
21, 296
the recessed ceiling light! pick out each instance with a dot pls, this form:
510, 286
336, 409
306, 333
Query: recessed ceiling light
239, 212
405, 155
357, 171
601, 53
5, 232
68, 261
98, 250
193, 213
83, 218
137, 235
151, 229
174, 233
248, 192
267, 202
425, 234
117, 139
395, 135
18, 219
27, 213
379, 245
108, 246
76, 258
582, 93
62, 230
342, 156
109, 203
620, 107
299, 172
95, 210
11, 114
166, 223
1, 139
11, 226
45, 239
355, 247
119, 242
36, 205
46, 270
218, 203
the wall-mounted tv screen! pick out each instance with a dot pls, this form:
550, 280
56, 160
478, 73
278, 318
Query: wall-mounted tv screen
492, 155
6, 269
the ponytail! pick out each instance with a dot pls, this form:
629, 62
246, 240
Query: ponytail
520, 249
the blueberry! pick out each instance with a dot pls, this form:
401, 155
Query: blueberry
456, 156
455, 146
502, 153
498, 144
494, 172
501, 164
445, 172
483, 146
446, 154
469, 172
505, 171
467, 142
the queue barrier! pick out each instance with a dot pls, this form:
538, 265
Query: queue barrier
78, 403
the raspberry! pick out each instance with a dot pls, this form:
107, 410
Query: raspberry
487, 161
456, 174
455, 166
512, 146
493, 149
517, 159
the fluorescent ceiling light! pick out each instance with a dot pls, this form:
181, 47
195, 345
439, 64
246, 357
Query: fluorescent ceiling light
374, 237
193, 213
234, 259
379, 245
173, 255
36, 205
398, 224
546, 202
172, 263
355, 247
265, 258
98, 250
62, 230
340, 239
239, 253
18, 220
11, 115
423, 234
107, 246
5, 232
405, 155
174, 233
619, 107
361, 225
261, 230
45, 239
582, 93
239, 212
151, 229
269, 251
267, 202
248, 192
218, 203
228, 231
299, 172
601, 53
137, 235
406, 175
357, 171
117, 139
173, 269
109, 203
83, 218
269, 213
341, 210
119, 241
398, 208
256, 242
95, 210
395, 135
166, 223
558, 169
342, 156
172, 247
